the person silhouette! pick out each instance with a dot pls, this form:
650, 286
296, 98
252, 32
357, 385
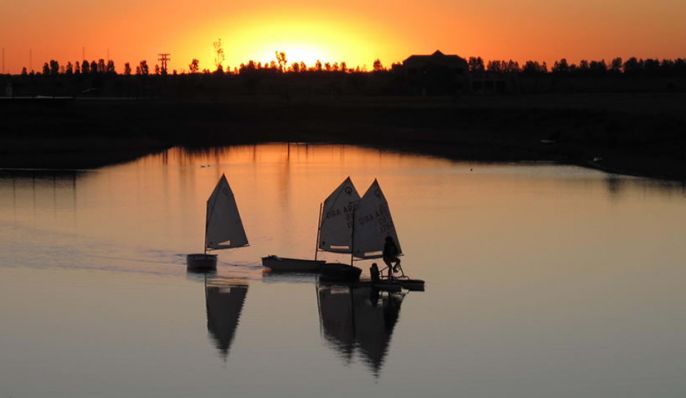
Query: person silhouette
390, 256
374, 273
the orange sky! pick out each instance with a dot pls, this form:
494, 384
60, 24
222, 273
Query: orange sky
352, 30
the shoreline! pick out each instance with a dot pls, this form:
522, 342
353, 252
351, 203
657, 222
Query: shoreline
641, 135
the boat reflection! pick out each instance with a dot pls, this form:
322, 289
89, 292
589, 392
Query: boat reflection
224, 300
359, 319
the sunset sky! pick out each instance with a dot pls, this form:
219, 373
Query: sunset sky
354, 31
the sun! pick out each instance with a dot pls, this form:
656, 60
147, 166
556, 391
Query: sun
305, 39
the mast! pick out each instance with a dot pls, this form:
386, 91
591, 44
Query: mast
319, 229
207, 224
352, 240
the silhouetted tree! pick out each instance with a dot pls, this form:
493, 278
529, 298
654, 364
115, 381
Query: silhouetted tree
598, 68
54, 67
584, 66
70, 69
281, 59
476, 64
561, 66
534, 68
344, 67
194, 66
46, 69
651, 67
110, 68
318, 66
143, 68
157, 69
496, 66
512, 67
127, 69
377, 66
94, 67
616, 65
85, 67
24, 72
101, 66
77, 68
295, 67
219, 58
632, 66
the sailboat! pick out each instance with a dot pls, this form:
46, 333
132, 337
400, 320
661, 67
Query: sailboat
336, 230
223, 227
373, 225
334, 234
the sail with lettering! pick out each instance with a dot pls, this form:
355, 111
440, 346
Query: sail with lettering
335, 228
373, 223
223, 226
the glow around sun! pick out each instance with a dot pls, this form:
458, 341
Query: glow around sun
302, 41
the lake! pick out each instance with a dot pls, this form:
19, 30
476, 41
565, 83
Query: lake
541, 280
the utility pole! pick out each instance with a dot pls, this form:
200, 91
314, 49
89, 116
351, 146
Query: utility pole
164, 58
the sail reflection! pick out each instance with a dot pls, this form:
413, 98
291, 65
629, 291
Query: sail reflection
224, 299
359, 319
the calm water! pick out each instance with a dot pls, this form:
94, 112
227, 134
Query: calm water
541, 281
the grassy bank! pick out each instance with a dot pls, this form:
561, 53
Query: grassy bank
625, 133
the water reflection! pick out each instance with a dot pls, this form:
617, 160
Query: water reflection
359, 319
224, 300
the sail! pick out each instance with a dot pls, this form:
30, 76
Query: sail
223, 227
373, 223
335, 230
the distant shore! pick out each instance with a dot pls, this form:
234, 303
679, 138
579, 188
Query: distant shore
635, 134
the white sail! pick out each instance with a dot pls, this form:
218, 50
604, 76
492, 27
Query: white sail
335, 229
223, 227
373, 223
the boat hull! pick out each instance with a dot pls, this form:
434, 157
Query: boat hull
340, 272
282, 264
405, 283
201, 262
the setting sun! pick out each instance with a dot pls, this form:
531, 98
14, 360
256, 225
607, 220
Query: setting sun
304, 39
356, 32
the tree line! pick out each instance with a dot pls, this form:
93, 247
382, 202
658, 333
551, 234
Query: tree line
632, 66
476, 65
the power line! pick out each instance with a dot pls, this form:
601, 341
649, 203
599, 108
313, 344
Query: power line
164, 58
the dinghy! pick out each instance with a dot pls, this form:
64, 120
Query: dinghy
283, 264
334, 234
223, 227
